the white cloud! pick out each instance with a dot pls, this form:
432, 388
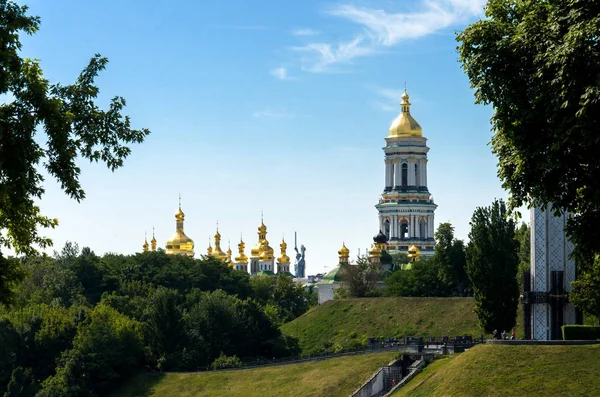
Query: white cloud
281, 73
382, 29
272, 114
305, 32
321, 56
389, 99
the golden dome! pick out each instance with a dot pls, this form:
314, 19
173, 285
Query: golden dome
255, 251
145, 245
266, 252
283, 258
179, 214
414, 253
405, 125
344, 251
241, 258
375, 251
262, 229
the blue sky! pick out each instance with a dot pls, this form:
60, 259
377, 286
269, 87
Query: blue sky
273, 106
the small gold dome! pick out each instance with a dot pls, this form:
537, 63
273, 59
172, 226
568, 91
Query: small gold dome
405, 125
179, 214
262, 228
241, 258
344, 251
283, 258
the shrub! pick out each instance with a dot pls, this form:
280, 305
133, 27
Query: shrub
224, 361
580, 332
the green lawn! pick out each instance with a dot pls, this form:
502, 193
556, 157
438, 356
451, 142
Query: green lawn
347, 323
333, 377
503, 370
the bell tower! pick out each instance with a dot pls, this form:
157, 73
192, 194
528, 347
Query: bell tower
406, 208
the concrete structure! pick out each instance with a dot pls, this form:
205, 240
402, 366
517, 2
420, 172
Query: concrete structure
547, 285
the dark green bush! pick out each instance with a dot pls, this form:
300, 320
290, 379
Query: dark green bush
580, 332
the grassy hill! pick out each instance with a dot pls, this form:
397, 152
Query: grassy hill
347, 323
501, 370
334, 377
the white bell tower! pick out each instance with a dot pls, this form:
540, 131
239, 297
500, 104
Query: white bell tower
406, 209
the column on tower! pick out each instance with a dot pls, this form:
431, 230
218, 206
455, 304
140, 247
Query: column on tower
389, 175
397, 173
425, 172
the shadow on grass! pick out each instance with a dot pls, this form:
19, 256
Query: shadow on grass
140, 385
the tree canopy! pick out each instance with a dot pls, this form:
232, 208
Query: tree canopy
492, 263
64, 117
538, 64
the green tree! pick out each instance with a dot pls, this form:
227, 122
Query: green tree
537, 63
584, 294
164, 327
422, 279
492, 266
523, 236
108, 347
360, 279
74, 127
450, 257
11, 274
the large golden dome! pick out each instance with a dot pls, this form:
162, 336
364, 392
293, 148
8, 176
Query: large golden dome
405, 125
179, 243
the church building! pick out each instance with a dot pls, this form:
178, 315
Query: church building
406, 208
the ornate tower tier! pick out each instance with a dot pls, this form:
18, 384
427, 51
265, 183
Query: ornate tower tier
406, 209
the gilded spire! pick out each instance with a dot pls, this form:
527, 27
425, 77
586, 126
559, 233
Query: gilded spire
241, 258
217, 252
229, 261
145, 245
405, 125
153, 241
283, 258
209, 250
344, 254
179, 243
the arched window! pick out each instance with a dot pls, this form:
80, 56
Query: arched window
386, 228
404, 174
417, 183
423, 229
403, 229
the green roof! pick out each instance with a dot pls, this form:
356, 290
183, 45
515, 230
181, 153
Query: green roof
406, 266
333, 277
264, 273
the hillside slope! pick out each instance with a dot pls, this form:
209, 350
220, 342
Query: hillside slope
347, 323
501, 370
333, 377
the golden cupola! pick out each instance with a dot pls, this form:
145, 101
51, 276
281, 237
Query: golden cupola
241, 258
414, 253
217, 252
405, 125
283, 258
344, 254
153, 241
179, 243
229, 261
145, 245
209, 250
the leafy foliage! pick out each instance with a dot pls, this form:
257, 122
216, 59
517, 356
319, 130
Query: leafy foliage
360, 279
81, 323
584, 294
492, 266
72, 125
538, 64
